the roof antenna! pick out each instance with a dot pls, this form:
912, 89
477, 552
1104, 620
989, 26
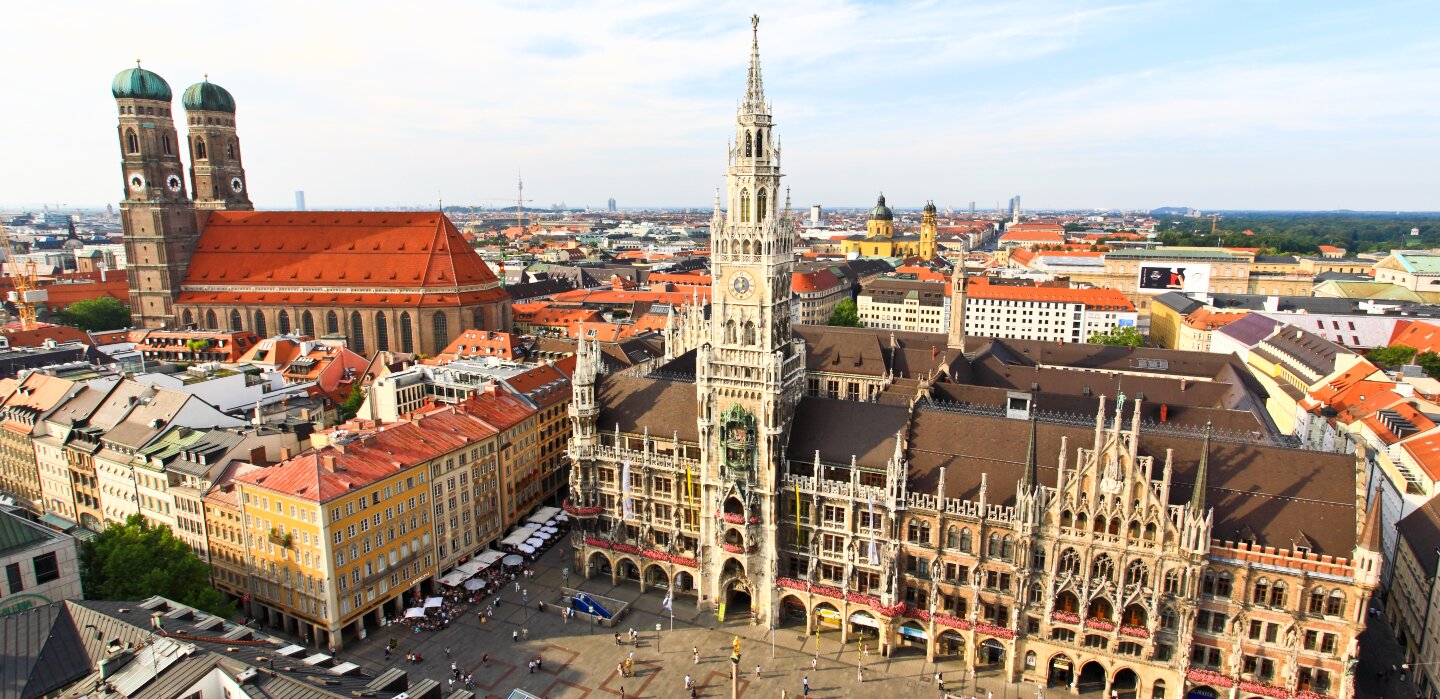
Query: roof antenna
137, 63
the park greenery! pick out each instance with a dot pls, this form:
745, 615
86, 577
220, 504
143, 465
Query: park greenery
1396, 356
93, 315
1119, 337
137, 559
845, 315
1302, 233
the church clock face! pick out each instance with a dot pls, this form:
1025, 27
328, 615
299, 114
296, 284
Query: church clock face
173, 182
741, 285
137, 182
237, 185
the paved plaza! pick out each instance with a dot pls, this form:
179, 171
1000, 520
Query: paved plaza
581, 660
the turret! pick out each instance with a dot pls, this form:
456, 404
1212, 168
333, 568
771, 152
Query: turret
959, 279
216, 174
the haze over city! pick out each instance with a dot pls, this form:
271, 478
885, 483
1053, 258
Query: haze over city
1074, 104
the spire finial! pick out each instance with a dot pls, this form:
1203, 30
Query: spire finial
1030, 478
754, 87
206, 76
1197, 498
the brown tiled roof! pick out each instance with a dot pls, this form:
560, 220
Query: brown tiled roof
1421, 531
634, 403
868, 351
1276, 493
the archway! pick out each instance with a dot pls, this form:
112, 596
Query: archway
1061, 671
1066, 602
1092, 677
912, 638
792, 610
684, 581
656, 577
1100, 609
1158, 691
864, 628
598, 564
827, 616
990, 655
950, 644
628, 570
1135, 616
737, 600
1126, 684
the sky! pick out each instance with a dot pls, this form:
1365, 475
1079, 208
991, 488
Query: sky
1252, 104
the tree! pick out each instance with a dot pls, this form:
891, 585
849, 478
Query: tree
138, 559
1429, 363
1392, 357
353, 401
846, 314
1126, 336
104, 313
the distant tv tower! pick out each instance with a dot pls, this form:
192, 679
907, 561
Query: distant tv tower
520, 201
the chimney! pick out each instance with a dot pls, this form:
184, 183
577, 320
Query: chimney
327, 462
257, 455
285, 454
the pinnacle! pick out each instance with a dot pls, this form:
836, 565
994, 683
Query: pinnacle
754, 86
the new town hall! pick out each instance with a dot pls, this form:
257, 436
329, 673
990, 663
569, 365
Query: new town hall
981, 502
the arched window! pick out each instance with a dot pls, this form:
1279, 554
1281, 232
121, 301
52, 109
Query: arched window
1069, 562
1173, 583
1335, 605
744, 206
307, 323
382, 332
952, 537
442, 329
406, 343
1222, 585
1137, 573
1277, 594
1167, 618
1007, 548
332, 323
200, 149
283, 321
1066, 519
479, 322
260, 324
132, 142
235, 323
1262, 591
165, 143
761, 204
759, 143
210, 321
1103, 568
357, 332
230, 150
994, 548
186, 318
748, 152
730, 331
967, 540
750, 333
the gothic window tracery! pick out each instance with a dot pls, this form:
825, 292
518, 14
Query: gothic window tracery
748, 152
132, 142
1103, 568
1069, 562
200, 149
761, 205
745, 213
1137, 573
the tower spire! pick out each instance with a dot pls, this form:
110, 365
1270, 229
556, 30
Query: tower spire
1197, 498
1030, 477
754, 86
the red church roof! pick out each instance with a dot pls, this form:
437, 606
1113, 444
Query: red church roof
407, 259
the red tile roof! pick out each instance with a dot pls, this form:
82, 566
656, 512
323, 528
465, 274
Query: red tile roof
42, 332
1419, 334
1094, 299
815, 280
481, 343
1425, 450
318, 258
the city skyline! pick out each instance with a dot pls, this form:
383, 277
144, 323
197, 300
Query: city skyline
1072, 105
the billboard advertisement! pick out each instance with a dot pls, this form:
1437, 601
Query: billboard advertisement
1160, 277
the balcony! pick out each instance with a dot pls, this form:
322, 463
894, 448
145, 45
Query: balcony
282, 540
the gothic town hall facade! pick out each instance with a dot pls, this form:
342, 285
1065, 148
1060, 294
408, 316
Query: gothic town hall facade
863, 483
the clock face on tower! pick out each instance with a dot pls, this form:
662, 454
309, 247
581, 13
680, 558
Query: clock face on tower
236, 184
741, 285
137, 182
173, 182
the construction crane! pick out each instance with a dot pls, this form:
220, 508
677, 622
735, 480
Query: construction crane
25, 292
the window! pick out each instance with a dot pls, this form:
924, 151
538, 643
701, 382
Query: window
307, 324
382, 332
407, 344
260, 324
165, 143
966, 540
235, 322
442, 329
332, 323
283, 322
744, 206
12, 575
132, 143
760, 205
357, 332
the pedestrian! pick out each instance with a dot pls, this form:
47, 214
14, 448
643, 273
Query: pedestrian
757, 672
517, 585
813, 662
806, 683
689, 682
622, 691
539, 663
514, 636
695, 651
784, 694
484, 658
525, 632
531, 665
447, 651
452, 682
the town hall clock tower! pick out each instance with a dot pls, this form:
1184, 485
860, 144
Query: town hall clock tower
750, 369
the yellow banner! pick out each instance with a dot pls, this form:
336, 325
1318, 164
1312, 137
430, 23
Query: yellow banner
720, 613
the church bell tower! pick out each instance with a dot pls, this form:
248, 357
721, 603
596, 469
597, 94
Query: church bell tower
750, 369
216, 174
156, 214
